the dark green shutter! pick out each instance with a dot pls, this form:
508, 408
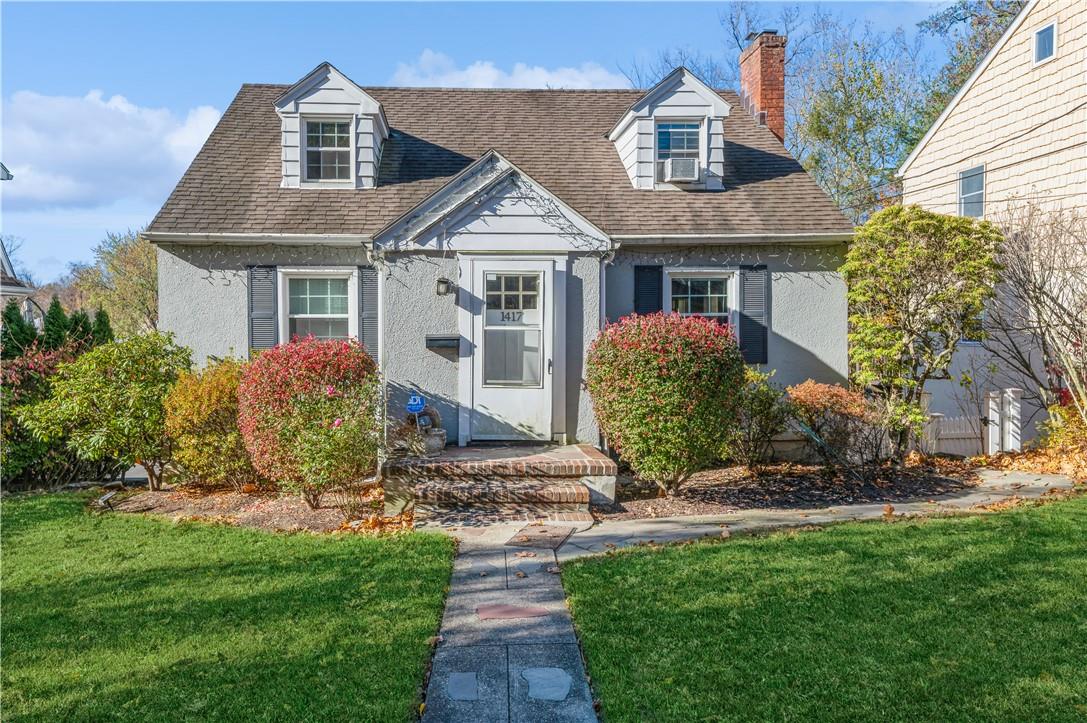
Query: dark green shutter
754, 313
648, 289
263, 319
368, 306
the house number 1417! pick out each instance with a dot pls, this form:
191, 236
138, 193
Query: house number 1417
513, 316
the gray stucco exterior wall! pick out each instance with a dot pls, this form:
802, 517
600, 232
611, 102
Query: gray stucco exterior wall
583, 322
203, 290
413, 310
808, 316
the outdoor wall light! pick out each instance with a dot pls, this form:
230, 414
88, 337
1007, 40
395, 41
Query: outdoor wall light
445, 287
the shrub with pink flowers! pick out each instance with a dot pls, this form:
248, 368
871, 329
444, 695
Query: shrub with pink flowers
665, 390
309, 414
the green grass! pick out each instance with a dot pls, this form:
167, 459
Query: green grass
981, 618
116, 616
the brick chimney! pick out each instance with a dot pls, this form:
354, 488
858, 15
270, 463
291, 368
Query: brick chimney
762, 79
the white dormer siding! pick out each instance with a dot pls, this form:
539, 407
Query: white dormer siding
680, 97
327, 95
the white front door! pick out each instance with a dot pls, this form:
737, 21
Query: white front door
512, 304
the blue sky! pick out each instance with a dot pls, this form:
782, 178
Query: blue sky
104, 104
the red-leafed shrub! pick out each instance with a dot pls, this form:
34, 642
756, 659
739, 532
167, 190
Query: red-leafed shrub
308, 412
665, 392
202, 424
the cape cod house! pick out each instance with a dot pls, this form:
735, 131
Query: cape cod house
477, 240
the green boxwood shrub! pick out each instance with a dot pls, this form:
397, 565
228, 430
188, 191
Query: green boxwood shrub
764, 412
665, 390
108, 403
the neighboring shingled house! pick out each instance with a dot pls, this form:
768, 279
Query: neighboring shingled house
1011, 144
477, 240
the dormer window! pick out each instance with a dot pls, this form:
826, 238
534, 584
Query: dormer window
328, 150
676, 140
332, 132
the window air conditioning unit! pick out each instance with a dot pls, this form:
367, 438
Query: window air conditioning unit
680, 170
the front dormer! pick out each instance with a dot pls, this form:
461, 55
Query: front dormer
332, 132
673, 137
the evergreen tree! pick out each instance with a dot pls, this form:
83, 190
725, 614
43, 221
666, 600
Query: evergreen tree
79, 329
102, 331
55, 332
17, 333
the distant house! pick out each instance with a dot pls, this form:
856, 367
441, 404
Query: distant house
12, 288
1015, 135
477, 240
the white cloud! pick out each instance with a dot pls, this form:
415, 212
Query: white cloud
433, 69
92, 151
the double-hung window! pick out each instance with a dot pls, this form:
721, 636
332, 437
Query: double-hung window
1045, 43
676, 140
328, 150
319, 302
700, 293
972, 192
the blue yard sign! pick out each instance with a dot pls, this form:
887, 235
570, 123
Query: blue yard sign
416, 403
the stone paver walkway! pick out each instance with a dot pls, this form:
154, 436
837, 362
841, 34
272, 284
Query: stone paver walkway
996, 486
508, 651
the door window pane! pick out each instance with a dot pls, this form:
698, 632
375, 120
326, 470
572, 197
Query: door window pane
511, 357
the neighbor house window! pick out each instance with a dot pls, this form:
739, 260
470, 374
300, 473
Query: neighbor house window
972, 192
676, 140
1045, 43
328, 150
319, 306
699, 294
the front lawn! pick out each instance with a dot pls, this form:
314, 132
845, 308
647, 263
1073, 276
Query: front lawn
981, 618
118, 616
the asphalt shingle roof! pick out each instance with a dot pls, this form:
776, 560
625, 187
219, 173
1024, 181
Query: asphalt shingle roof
558, 137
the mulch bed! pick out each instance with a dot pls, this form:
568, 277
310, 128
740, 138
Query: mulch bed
269, 511
786, 486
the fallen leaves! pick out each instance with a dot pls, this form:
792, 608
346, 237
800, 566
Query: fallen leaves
524, 553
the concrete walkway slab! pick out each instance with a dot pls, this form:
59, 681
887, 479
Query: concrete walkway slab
548, 683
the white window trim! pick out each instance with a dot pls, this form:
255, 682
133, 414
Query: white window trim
958, 188
1034, 45
733, 289
352, 136
703, 150
351, 273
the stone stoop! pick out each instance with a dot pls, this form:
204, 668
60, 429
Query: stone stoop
478, 485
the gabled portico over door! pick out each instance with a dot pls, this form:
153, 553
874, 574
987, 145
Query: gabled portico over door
509, 366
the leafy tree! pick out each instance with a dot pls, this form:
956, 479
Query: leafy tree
123, 280
109, 402
860, 118
970, 28
80, 330
55, 328
918, 283
102, 331
17, 334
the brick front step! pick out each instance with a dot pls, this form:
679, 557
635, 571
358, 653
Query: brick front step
580, 460
549, 494
478, 515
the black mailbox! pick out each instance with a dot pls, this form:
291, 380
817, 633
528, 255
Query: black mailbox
442, 342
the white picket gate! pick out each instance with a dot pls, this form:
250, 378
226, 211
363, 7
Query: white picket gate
999, 431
